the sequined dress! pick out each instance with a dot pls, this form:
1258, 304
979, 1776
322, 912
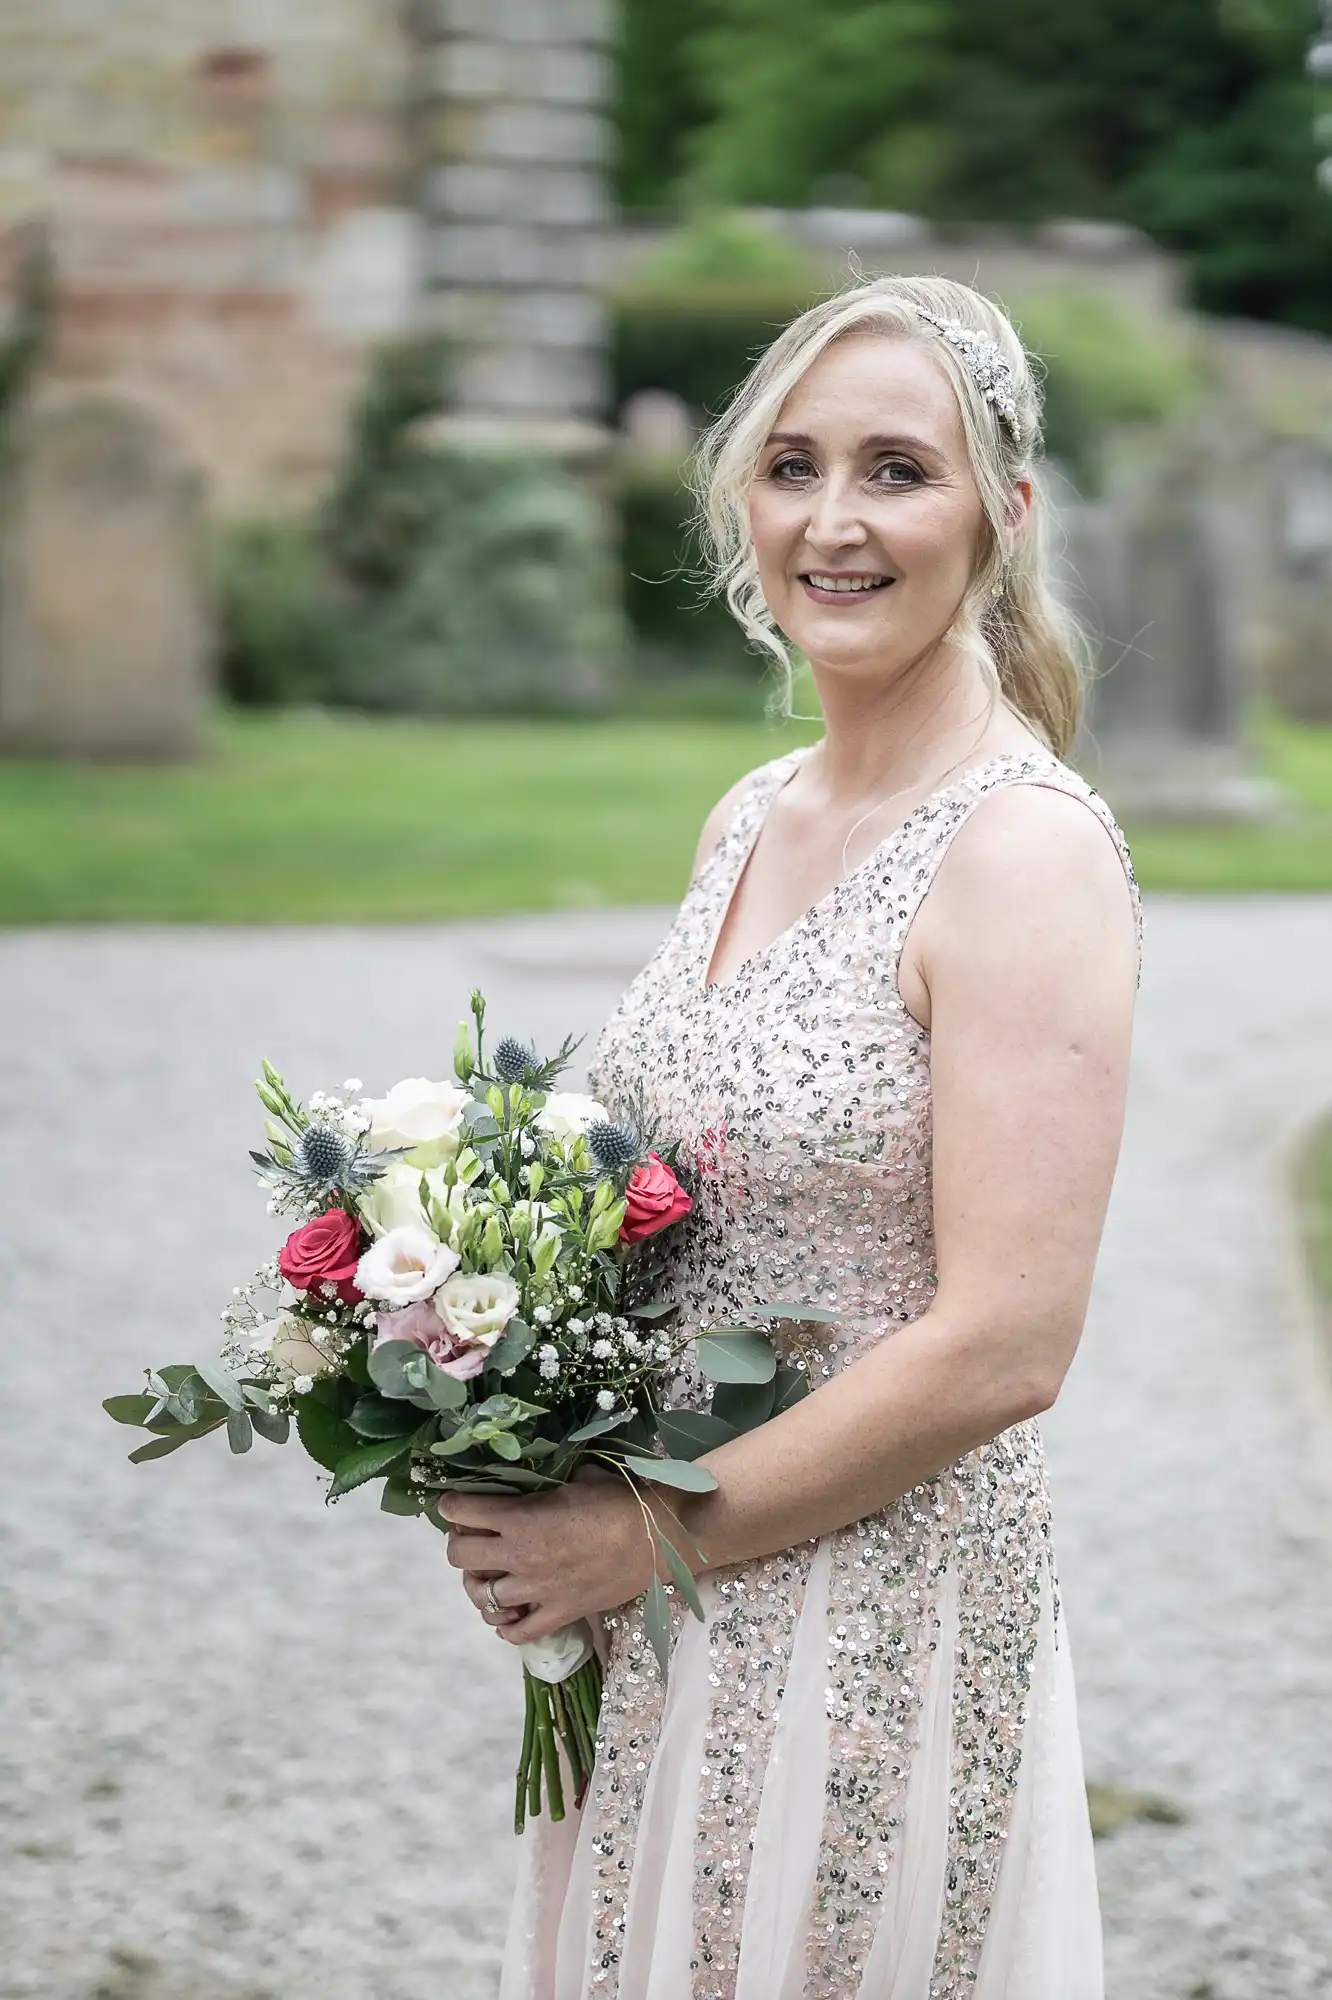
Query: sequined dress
863, 1780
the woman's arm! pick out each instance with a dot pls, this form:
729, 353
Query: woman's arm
1025, 949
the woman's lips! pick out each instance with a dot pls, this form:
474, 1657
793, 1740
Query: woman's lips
822, 595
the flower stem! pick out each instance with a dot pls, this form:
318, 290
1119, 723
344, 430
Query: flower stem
550, 1756
525, 1760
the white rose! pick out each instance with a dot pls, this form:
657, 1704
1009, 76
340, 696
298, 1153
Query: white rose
562, 1654
477, 1306
290, 1348
424, 1116
406, 1264
565, 1113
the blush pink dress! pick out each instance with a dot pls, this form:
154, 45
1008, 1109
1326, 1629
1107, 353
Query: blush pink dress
863, 1780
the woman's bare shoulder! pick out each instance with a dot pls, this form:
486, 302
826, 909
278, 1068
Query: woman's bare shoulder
719, 818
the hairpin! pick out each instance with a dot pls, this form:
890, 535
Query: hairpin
985, 365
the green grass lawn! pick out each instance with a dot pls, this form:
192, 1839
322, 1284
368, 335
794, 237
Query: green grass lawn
318, 818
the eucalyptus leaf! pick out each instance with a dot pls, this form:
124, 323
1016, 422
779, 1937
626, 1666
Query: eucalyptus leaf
157, 1448
744, 1405
525, 1477
397, 1370
792, 1309
373, 1417
791, 1386
257, 1398
449, 1447
657, 1623
176, 1373
598, 1426
366, 1462
682, 1577
275, 1425
656, 1309
240, 1431
444, 1391
514, 1345
689, 1433
222, 1383
736, 1357
129, 1409
506, 1446
681, 1472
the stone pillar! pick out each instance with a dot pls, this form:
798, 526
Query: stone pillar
105, 638
513, 142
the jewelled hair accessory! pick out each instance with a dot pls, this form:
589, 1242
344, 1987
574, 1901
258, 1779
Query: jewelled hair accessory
985, 365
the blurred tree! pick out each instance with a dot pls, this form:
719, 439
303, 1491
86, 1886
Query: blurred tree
661, 97
1190, 118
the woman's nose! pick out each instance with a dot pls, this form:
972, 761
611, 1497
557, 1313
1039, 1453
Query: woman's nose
834, 519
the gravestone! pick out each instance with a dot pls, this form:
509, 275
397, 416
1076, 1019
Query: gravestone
1152, 571
1296, 647
105, 637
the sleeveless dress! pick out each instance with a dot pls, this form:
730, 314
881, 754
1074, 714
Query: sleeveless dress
863, 1778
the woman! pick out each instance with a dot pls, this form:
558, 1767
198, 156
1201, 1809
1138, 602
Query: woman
891, 1024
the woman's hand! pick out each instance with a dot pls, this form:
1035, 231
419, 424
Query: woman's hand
554, 1558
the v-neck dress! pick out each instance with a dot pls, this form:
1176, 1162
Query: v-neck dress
863, 1779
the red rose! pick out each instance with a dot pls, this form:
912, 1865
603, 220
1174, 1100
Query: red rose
324, 1252
655, 1198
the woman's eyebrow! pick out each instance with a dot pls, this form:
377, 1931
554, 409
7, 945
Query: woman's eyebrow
896, 441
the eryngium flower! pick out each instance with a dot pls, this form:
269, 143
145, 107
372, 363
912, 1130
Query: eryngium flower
514, 1060
321, 1154
613, 1146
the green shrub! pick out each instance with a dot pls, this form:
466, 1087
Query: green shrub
704, 305
507, 607
675, 626
381, 510
1104, 368
285, 636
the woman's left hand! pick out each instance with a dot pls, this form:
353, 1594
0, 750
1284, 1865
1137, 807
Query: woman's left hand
554, 1558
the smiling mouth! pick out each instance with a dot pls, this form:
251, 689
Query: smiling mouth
822, 584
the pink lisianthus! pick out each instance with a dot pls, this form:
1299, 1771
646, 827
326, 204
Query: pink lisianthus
422, 1325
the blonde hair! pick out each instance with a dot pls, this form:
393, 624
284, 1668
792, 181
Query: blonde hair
1027, 645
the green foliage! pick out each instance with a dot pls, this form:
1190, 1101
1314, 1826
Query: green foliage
24, 340
726, 248
384, 509
508, 606
1103, 367
673, 622
660, 97
1192, 121
285, 636
821, 99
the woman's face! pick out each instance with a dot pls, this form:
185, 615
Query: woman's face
865, 516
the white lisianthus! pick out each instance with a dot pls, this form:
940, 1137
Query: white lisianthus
394, 1200
406, 1264
426, 1117
286, 1340
476, 1306
566, 1113
562, 1654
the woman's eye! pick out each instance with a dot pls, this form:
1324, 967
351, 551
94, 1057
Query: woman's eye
898, 472
789, 470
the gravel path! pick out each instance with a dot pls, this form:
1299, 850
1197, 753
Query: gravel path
246, 1754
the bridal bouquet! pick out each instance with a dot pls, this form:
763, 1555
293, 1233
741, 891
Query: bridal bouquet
469, 1301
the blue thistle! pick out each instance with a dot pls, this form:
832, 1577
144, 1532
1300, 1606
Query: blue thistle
613, 1146
321, 1154
515, 1061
